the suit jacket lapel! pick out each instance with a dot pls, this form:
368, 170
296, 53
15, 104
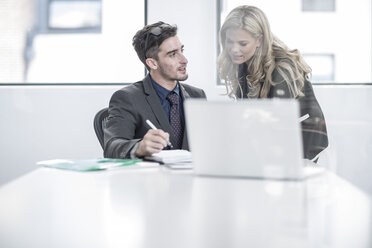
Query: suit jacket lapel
184, 95
154, 102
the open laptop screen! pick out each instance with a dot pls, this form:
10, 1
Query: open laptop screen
249, 138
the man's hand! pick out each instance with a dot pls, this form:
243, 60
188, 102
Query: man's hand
154, 141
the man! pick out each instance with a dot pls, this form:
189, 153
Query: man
158, 98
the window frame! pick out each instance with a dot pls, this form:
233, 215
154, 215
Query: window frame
43, 18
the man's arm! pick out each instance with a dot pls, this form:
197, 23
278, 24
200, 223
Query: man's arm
119, 134
125, 135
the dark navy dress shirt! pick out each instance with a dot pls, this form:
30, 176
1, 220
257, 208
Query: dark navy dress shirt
163, 93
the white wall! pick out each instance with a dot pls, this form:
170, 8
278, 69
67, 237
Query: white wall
47, 122
348, 115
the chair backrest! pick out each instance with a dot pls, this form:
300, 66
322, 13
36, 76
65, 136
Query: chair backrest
99, 123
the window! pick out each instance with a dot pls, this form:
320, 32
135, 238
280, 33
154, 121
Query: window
83, 15
324, 34
85, 41
322, 66
69, 16
70, 41
318, 5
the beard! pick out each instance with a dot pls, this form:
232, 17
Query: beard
172, 76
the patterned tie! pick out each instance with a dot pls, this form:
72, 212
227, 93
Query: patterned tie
175, 119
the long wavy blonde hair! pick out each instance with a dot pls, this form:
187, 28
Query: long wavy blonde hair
271, 55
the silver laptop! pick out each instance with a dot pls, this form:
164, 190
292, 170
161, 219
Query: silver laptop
248, 138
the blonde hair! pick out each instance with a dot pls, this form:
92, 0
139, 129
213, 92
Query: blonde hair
271, 55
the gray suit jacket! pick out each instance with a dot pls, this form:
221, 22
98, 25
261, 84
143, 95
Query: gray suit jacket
129, 109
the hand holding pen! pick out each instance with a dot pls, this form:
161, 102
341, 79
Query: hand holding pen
154, 141
154, 128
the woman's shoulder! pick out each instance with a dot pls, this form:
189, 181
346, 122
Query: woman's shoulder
284, 70
281, 78
280, 90
283, 64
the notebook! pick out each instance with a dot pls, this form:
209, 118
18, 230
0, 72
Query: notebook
248, 138
171, 156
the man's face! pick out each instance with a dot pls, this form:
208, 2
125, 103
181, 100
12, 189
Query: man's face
171, 61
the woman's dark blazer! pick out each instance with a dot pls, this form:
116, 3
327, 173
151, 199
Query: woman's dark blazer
314, 130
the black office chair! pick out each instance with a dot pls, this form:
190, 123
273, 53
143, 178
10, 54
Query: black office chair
99, 123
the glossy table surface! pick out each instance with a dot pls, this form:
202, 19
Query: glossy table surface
158, 207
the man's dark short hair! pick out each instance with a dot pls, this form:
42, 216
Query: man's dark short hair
146, 41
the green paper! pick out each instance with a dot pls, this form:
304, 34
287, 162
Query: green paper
88, 164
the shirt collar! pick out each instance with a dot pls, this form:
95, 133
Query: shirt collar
163, 92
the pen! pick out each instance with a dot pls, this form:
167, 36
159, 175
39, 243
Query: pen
302, 118
153, 127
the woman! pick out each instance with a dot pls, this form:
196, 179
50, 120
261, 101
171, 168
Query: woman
255, 64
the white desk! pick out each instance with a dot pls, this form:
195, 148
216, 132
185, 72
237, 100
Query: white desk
162, 208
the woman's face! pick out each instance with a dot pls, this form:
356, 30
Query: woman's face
240, 45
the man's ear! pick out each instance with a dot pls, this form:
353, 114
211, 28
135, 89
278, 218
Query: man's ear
152, 63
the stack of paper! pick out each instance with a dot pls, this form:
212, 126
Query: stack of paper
171, 156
